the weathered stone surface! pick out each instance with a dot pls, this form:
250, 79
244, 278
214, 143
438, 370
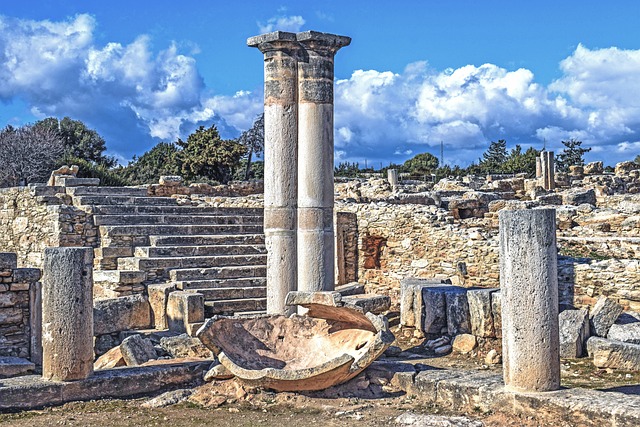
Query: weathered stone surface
496, 312
137, 350
481, 317
578, 196
628, 332
574, 332
623, 168
603, 315
493, 357
464, 343
376, 304
158, 298
458, 319
8, 260
67, 323
594, 168
614, 354
121, 314
184, 308
185, 346
168, 398
111, 359
12, 366
412, 302
420, 420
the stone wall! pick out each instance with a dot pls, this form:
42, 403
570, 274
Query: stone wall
33, 218
19, 309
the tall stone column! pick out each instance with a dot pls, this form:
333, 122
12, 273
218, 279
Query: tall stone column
316, 247
549, 171
529, 292
281, 52
67, 314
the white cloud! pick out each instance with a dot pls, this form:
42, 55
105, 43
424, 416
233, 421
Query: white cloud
282, 23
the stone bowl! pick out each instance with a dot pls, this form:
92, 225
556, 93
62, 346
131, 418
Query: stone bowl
329, 345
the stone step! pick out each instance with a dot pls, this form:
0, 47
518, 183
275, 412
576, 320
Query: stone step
173, 230
66, 181
123, 200
207, 240
217, 273
119, 277
211, 308
173, 251
156, 264
216, 294
142, 219
172, 210
244, 282
107, 191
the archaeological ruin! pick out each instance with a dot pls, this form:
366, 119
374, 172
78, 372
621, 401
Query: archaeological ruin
113, 292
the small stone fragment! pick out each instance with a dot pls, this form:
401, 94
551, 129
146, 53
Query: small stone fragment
445, 349
137, 350
217, 372
111, 359
464, 343
493, 358
169, 398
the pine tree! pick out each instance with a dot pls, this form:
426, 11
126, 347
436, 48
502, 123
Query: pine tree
572, 155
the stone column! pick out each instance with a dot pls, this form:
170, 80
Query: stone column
392, 177
539, 167
280, 51
67, 314
529, 288
547, 175
316, 246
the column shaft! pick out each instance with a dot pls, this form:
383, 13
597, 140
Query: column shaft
529, 292
67, 314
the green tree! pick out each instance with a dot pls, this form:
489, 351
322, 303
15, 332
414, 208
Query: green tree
147, 169
79, 141
347, 169
421, 164
493, 159
253, 140
205, 156
519, 162
572, 155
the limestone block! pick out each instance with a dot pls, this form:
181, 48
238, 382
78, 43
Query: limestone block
121, 314
457, 312
594, 168
111, 359
8, 260
12, 366
26, 275
578, 196
623, 168
158, 298
185, 346
574, 332
481, 317
170, 180
464, 343
184, 308
614, 354
434, 310
137, 350
411, 302
628, 332
604, 314
376, 304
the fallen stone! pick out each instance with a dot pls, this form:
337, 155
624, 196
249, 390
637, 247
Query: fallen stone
217, 371
169, 398
574, 332
481, 317
493, 358
395, 374
183, 308
185, 346
137, 350
445, 349
614, 354
457, 312
14, 366
604, 314
121, 314
627, 332
464, 343
111, 359
578, 196
376, 304
420, 420
431, 344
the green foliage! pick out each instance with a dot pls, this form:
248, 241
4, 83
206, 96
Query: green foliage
108, 176
421, 164
572, 155
160, 160
519, 162
205, 155
253, 140
256, 170
493, 159
346, 169
78, 140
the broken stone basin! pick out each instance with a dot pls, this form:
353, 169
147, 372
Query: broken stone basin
329, 345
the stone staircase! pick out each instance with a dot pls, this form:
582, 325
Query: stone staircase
218, 252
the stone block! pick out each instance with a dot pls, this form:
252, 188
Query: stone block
8, 260
26, 275
496, 312
578, 196
614, 354
185, 346
111, 359
158, 298
376, 304
121, 314
137, 350
627, 332
464, 343
574, 332
594, 168
457, 312
184, 308
481, 316
13, 366
411, 301
434, 310
604, 314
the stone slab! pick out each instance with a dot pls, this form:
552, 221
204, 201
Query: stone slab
29, 392
628, 332
12, 366
376, 304
604, 314
614, 354
121, 314
481, 317
574, 332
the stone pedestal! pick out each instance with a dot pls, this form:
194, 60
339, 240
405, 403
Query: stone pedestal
529, 288
316, 248
392, 177
281, 51
67, 314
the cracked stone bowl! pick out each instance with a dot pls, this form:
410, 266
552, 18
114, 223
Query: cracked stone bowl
332, 343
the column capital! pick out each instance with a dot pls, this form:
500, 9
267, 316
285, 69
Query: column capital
322, 42
276, 40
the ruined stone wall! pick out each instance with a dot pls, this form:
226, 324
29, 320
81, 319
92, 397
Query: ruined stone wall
19, 299
33, 218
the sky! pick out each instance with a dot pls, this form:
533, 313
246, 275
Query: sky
417, 74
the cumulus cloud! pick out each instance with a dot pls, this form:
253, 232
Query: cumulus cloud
282, 23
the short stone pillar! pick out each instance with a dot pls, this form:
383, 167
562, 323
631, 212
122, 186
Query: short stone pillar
316, 246
392, 177
539, 167
67, 314
281, 52
529, 288
547, 168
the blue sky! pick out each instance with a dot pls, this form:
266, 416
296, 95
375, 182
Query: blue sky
416, 73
